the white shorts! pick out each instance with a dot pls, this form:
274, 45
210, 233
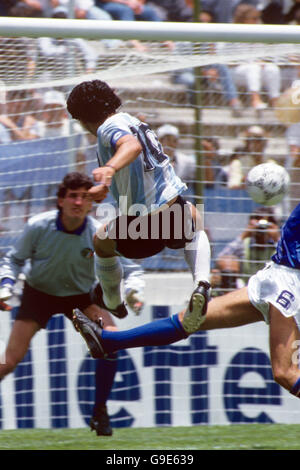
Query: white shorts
277, 285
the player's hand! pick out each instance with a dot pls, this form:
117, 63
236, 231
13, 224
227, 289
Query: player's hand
98, 193
6, 292
104, 175
135, 301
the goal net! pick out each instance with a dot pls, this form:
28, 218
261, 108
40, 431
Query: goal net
193, 82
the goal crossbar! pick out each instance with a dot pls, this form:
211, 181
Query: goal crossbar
148, 30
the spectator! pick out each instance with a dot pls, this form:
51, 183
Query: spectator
217, 77
249, 154
248, 253
292, 16
29, 111
184, 165
255, 76
255, 144
129, 10
55, 121
17, 60
220, 166
5, 5
293, 163
211, 153
222, 11
83, 9
87, 9
26, 8
173, 10
23, 8
16, 119
291, 71
273, 12
64, 56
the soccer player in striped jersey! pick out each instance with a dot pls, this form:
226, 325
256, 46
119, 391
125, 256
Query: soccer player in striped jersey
59, 246
152, 212
272, 295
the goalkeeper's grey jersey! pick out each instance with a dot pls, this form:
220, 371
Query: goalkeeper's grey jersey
149, 180
60, 263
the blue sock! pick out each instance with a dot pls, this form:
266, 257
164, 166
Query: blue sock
156, 333
105, 373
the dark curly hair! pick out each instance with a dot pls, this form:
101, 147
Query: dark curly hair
74, 180
92, 101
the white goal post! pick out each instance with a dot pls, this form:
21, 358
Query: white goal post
148, 31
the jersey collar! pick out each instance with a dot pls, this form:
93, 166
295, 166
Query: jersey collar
78, 231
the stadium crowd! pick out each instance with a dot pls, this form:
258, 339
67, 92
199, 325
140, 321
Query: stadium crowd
272, 11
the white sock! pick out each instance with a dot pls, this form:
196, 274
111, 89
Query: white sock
109, 272
197, 254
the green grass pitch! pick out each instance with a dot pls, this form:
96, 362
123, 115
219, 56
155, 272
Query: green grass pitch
231, 437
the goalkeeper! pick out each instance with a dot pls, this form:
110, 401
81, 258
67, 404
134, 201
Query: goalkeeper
59, 246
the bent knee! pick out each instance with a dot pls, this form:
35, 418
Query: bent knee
283, 376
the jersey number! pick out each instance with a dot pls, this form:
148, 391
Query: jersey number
152, 149
285, 299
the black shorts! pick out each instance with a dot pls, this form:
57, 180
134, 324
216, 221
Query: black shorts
40, 307
145, 236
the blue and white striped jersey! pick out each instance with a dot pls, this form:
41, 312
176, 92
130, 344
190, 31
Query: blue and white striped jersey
150, 180
288, 247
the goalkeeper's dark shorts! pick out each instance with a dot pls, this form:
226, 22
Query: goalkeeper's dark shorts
40, 307
144, 236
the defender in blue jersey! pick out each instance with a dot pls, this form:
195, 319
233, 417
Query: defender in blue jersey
152, 213
55, 251
272, 295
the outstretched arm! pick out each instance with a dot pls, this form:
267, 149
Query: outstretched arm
128, 149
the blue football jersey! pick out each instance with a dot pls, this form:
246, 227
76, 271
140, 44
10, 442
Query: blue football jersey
288, 247
150, 180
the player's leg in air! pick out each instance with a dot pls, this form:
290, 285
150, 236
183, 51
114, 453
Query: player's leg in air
228, 311
197, 254
194, 241
109, 271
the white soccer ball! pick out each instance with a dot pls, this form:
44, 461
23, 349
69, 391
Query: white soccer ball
267, 183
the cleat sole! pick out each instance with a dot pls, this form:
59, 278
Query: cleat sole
89, 336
